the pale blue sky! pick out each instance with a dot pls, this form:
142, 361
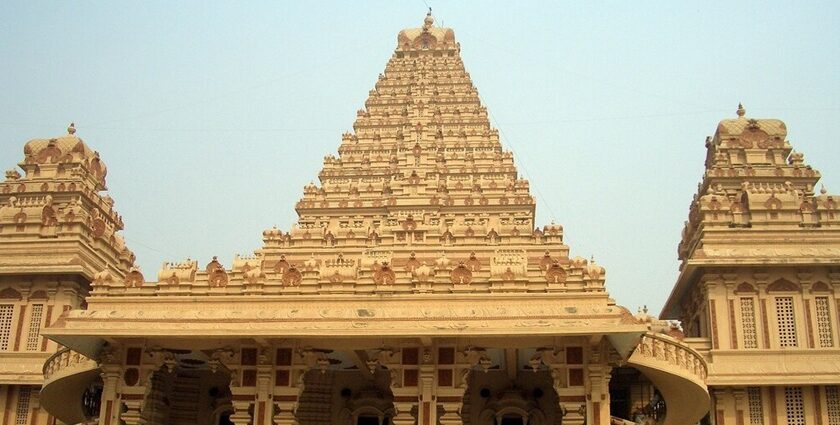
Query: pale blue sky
211, 116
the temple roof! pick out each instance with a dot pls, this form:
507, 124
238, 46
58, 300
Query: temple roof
66, 144
414, 37
756, 205
773, 128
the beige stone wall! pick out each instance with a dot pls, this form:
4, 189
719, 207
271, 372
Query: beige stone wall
777, 405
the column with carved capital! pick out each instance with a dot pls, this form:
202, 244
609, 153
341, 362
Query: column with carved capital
241, 412
427, 413
572, 401
284, 414
739, 395
109, 409
451, 413
723, 406
598, 396
405, 398
402, 410
133, 414
264, 405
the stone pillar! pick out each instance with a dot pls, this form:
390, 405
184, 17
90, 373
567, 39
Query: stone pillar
598, 396
572, 403
427, 412
110, 408
284, 414
133, 414
241, 415
724, 410
264, 405
402, 407
741, 405
451, 413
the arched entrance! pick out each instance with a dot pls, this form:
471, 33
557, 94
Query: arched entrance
494, 398
189, 393
346, 397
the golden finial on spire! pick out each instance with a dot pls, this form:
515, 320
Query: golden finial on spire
741, 111
72, 129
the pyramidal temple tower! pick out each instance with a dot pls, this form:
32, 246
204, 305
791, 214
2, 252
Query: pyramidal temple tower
422, 197
415, 288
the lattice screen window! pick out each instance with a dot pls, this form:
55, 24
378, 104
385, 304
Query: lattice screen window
33, 340
824, 322
748, 323
754, 401
794, 406
22, 411
832, 401
7, 312
786, 322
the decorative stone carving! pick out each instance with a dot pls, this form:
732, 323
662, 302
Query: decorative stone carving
461, 275
134, 279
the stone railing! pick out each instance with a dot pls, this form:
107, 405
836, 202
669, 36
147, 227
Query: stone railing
679, 372
666, 350
67, 374
65, 359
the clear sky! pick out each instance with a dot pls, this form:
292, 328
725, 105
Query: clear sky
211, 116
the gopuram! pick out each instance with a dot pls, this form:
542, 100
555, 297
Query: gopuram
417, 288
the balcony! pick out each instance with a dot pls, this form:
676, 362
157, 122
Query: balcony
67, 377
679, 372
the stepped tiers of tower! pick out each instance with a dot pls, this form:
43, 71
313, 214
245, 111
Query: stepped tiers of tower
56, 207
756, 206
421, 198
417, 289
754, 180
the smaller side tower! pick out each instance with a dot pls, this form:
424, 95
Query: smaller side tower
57, 231
760, 278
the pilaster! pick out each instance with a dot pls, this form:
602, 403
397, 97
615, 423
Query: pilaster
403, 404
241, 412
740, 400
572, 399
284, 414
263, 404
133, 414
598, 397
427, 413
110, 408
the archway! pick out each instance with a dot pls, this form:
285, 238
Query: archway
494, 398
346, 396
189, 393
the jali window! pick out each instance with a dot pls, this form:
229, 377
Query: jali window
22, 411
7, 312
832, 401
794, 407
824, 322
33, 340
748, 323
754, 401
786, 322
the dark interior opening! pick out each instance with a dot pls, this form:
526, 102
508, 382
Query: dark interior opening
512, 420
224, 419
370, 420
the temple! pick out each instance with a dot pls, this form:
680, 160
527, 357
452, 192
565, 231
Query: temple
417, 287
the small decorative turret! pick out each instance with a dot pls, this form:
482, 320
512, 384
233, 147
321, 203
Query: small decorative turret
72, 129
429, 21
741, 111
